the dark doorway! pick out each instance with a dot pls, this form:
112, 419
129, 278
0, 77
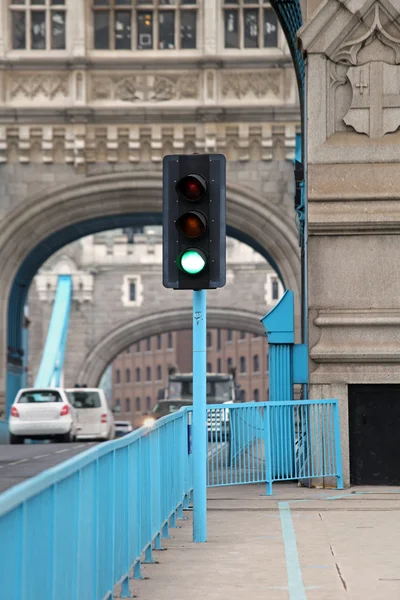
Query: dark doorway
374, 433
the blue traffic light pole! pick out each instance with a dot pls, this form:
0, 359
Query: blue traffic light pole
199, 416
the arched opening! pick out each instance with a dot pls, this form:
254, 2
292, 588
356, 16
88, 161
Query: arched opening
46, 223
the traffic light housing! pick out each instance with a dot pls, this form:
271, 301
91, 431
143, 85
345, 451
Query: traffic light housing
194, 221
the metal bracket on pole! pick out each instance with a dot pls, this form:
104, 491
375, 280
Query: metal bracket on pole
199, 416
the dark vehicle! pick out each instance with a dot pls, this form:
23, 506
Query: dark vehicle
179, 393
122, 428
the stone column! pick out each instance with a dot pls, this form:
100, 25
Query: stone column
78, 22
210, 20
352, 52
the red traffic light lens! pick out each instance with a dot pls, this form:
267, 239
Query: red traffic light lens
192, 187
192, 224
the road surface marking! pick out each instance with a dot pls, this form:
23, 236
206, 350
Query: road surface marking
295, 580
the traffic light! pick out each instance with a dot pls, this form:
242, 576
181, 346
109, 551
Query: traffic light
194, 221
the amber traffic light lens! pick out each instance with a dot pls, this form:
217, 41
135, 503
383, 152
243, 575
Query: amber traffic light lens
192, 187
192, 224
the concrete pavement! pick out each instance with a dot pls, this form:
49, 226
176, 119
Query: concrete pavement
298, 544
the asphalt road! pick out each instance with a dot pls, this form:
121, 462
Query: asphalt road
20, 462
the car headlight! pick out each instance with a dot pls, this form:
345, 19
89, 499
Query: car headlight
149, 422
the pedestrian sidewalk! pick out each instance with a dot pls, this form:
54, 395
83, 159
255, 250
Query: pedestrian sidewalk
298, 544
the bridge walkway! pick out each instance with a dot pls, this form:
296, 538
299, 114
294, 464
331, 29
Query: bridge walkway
299, 544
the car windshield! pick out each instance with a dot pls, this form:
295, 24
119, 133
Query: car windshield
169, 407
121, 424
84, 399
218, 390
39, 397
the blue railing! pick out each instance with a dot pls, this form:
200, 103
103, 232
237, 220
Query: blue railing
274, 441
77, 530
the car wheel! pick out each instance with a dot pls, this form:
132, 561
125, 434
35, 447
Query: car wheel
16, 439
67, 438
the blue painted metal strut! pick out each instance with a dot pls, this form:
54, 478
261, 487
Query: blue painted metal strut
199, 417
51, 366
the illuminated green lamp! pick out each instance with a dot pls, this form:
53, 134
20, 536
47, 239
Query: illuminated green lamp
192, 261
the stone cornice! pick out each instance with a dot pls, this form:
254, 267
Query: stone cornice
154, 64
150, 114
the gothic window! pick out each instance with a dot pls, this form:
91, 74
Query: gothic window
132, 291
144, 24
38, 24
275, 289
250, 24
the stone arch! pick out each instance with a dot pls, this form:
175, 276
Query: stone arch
127, 334
44, 223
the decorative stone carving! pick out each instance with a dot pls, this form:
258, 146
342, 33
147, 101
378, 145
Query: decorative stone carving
356, 46
145, 88
47, 278
375, 107
32, 86
256, 84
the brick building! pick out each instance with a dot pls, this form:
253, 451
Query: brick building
139, 374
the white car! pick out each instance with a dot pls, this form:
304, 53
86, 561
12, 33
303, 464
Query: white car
123, 428
42, 414
95, 418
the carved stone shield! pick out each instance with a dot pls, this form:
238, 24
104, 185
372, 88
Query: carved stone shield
375, 106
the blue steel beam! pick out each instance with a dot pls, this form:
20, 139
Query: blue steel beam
52, 363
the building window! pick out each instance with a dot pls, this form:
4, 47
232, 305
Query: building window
117, 404
148, 373
117, 376
229, 363
256, 363
275, 289
243, 364
256, 395
209, 339
128, 405
132, 291
159, 342
128, 350
250, 24
148, 344
230, 335
218, 339
159, 372
38, 24
242, 335
148, 403
266, 363
138, 374
242, 395
144, 24
169, 344
128, 375
209, 367
219, 366
138, 404
160, 394
138, 347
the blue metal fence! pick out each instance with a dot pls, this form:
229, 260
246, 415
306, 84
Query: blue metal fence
274, 441
76, 530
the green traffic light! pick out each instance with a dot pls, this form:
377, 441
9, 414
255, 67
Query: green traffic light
192, 262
